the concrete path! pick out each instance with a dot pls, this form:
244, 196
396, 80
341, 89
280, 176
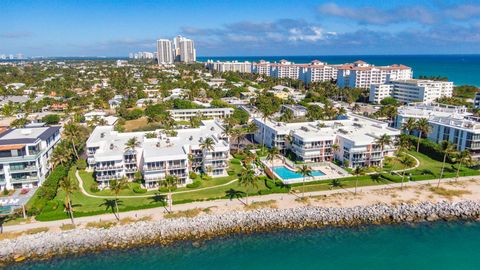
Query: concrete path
159, 211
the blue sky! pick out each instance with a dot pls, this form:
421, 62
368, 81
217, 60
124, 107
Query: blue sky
234, 28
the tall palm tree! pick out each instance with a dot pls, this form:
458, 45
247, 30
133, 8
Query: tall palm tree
447, 149
248, 180
304, 171
72, 131
357, 172
235, 194
407, 162
170, 183
116, 186
68, 186
335, 183
463, 157
409, 125
132, 144
423, 127
335, 148
383, 140
208, 144
61, 154
272, 154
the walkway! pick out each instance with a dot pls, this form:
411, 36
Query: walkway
157, 213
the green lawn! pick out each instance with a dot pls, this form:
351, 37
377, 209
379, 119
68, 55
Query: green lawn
85, 206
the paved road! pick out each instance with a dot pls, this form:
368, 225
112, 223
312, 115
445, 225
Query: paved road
157, 212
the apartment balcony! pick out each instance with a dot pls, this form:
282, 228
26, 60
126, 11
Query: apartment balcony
177, 166
108, 168
130, 170
219, 165
220, 157
130, 161
107, 177
152, 168
24, 179
23, 169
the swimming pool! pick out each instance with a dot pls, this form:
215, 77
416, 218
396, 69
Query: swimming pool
286, 173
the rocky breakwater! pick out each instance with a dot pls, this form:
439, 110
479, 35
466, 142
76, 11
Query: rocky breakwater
47, 244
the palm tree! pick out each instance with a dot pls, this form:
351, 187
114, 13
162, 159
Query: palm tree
169, 183
132, 144
266, 114
248, 179
335, 183
383, 141
235, 194
272, 154
208, 144
304, 171
335, 148
61, 154
447, 148
71, 132
463, 157
357, 172
409, 125
407, 162
423, 127
116, 186
68, 186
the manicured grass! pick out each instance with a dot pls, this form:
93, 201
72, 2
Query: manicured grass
86, 206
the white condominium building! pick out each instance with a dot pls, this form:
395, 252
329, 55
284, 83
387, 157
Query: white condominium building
451, 123
476, 101
411, 90
158, 154
285, 69
210, 113
356, 138
25, 155
318, 71
262, 67
234, 66
361, 74
184, 50
165, 52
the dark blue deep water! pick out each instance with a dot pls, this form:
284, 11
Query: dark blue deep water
461, 69
438, 245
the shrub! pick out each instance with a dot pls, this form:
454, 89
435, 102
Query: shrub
235, 161
195, 184
51, 119
94, 187
81, 164
47, 191
165, 190
192, 175
5, 191
390, 177
238, 156
231, 172
139, 189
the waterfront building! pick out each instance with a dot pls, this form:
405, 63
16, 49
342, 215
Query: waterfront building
209, 113
165, 52
159, 154
184, 49
412, 90
285, 69
452, 123
234, 66
476, 101
356, 137
318, 71
262, 68
25, 155
296, 110
361, 74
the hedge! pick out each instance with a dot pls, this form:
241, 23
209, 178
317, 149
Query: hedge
393, 178
138, 189
47, 191
195, 184
429, 148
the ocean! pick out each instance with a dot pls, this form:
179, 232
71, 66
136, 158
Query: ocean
438, 245
461, 69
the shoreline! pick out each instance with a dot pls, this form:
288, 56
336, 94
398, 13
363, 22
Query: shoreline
46, 245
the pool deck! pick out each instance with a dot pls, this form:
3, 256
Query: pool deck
330, 170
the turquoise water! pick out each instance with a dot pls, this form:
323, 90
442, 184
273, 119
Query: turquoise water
461, 69
286, 174
422, 246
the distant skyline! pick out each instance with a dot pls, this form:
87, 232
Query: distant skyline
241, 28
